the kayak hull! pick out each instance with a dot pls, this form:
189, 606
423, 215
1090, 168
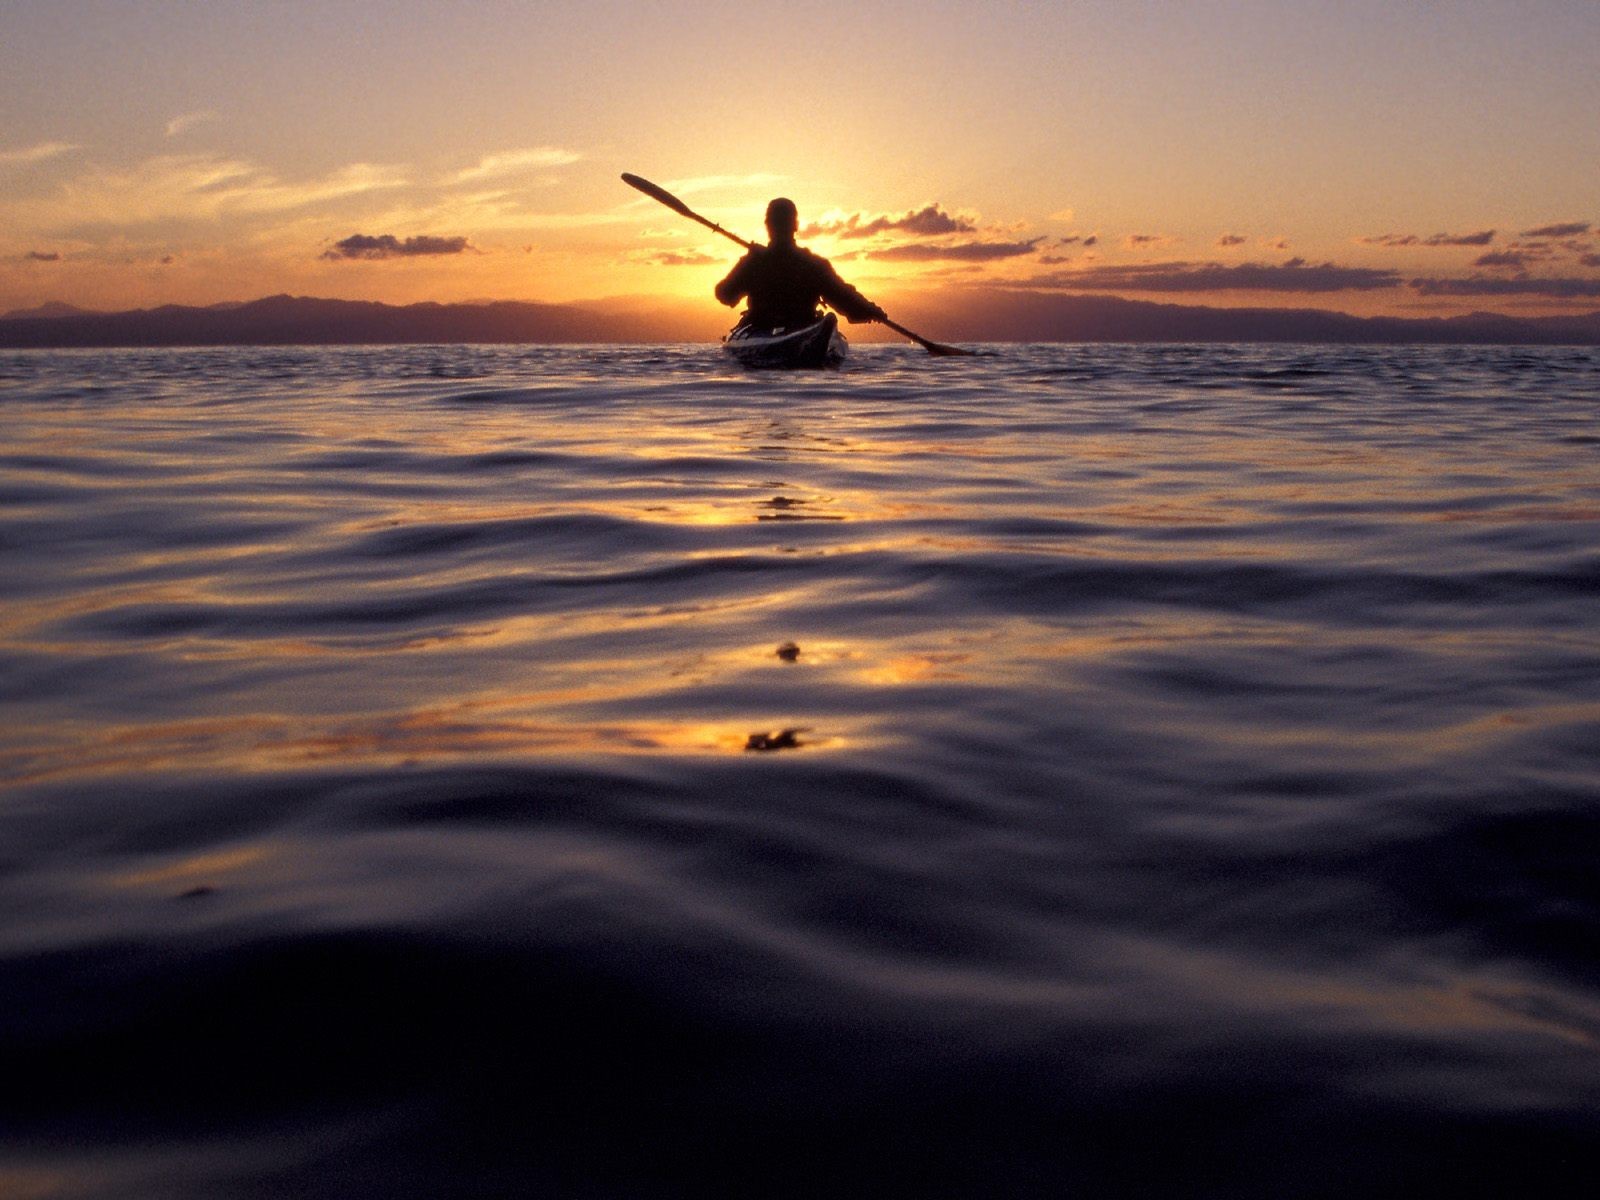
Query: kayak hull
819, 344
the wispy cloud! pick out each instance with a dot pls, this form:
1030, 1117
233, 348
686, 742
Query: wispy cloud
1564, 229
1228, 240
1146, 241
1481, 238
1554, 287
1502, 258
712, 183
679, 258
36, 153
509, 162
202, 187
186, 121
928, 221
386, 245
42, 256
956, 251
1296, 275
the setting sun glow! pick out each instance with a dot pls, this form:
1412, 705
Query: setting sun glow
1361, 157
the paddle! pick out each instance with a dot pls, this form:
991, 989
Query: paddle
660, 194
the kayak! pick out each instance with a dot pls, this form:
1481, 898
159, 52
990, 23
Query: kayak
819, 344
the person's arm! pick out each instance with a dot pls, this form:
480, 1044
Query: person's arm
843, 298
736, 286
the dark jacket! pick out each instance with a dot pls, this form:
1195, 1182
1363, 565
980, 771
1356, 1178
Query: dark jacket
784, 283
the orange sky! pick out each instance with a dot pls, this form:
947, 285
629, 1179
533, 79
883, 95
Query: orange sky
1226, 152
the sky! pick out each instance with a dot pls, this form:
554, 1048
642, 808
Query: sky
1417, 159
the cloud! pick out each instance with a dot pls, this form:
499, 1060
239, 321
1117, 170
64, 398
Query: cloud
1566, 229
1502, 258
1277, 243
1590, 260
42, 256
955, 271
36, 153
195, 187
955, 251
928, 221
1296, 275
1054, 260
1139, 241
711, 183
365, 246
1481, 238
1561, 288
507, 162
1092, 239
1231, 239
187, 121
681, 258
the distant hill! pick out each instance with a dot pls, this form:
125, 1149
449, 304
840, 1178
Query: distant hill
53, 308
303, 320
991, 315
1022, 316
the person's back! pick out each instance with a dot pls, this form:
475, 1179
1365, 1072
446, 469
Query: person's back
784, 282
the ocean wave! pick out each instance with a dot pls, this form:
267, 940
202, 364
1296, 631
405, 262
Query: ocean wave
1105, 769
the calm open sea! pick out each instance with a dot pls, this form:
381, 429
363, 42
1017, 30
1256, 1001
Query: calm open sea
1181, 775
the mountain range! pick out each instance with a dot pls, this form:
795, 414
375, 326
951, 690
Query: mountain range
991, 315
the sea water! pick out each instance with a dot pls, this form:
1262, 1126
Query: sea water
1082, 771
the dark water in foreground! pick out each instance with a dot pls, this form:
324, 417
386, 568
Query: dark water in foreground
1187, 784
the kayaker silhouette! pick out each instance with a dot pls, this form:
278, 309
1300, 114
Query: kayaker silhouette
785, 282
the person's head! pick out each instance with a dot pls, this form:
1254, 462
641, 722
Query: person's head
783, 220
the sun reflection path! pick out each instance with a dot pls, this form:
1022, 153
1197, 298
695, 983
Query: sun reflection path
544, 559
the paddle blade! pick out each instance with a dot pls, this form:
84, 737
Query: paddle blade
659, 193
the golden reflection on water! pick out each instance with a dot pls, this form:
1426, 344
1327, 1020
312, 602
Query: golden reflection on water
196, 867
39, 1183
542, 703
1448, 1002
424, 737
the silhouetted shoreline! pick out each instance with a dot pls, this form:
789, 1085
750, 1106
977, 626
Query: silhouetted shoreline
992, 316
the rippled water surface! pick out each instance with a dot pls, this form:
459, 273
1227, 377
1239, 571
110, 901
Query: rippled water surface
1086, 771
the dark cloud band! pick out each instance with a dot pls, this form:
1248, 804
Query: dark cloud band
1556, 287
1296, 275
931, 221
1564, 229
1481, 238
956, 252
366, 246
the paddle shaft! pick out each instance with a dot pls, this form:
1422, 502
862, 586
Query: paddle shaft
935, 348
661, 195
